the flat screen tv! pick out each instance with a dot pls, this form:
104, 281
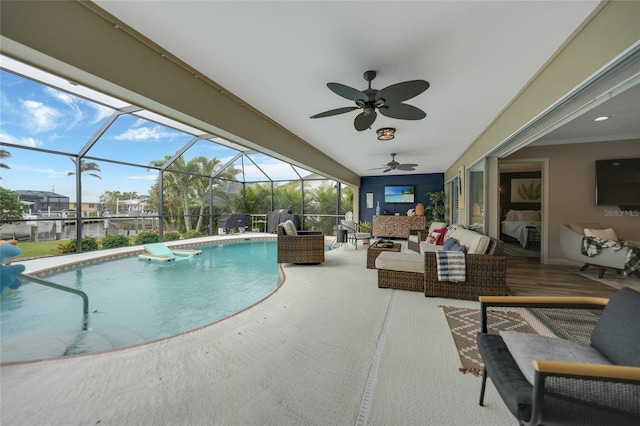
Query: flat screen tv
399, 194
618, 182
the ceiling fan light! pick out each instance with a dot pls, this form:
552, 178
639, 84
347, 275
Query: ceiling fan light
386, 133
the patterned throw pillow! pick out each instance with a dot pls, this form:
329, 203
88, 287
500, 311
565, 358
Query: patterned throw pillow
442, 232
433, 238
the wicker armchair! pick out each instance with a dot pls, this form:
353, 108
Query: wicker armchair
486, 274
586, 373
413, 243
306, 247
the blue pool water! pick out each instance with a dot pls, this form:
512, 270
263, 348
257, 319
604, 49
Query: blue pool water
133, 301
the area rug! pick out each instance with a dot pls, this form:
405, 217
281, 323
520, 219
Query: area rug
464, 324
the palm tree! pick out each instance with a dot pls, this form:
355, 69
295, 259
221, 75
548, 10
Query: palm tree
85, 167
4, 154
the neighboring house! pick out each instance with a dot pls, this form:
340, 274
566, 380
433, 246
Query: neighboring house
36, 201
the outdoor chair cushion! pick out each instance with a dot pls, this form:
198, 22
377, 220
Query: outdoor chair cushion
406, 262
616, 334
526, 347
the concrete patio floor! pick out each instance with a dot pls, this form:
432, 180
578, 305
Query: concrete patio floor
328, 348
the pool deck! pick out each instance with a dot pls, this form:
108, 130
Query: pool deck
328, 348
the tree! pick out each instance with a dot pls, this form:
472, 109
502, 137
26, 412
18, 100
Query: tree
11, 208
4, 154
86, 167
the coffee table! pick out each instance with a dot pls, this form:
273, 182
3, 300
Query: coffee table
374, 251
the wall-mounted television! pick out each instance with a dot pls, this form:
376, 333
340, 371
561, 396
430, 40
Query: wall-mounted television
618, 182
399, 194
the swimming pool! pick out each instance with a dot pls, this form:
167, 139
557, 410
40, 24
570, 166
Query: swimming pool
132, 302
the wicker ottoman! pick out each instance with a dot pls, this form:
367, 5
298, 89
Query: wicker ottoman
400, 280
374, 251
401, 271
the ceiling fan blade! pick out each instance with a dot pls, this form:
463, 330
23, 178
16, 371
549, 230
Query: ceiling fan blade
378, 168
407, 167
347, 92
400, 92
402, 112
334, 112
388, 170
363, 120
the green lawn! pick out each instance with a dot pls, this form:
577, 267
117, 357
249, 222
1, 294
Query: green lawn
39, 249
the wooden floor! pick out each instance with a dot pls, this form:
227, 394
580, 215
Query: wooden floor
526, 276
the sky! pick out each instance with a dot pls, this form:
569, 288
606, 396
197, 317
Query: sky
36, 115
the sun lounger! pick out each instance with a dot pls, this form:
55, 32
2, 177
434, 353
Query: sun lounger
158, 252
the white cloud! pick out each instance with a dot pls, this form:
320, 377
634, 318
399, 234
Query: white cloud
144, 133
101, 112
27, 141
150, 178
47, 171
41, 117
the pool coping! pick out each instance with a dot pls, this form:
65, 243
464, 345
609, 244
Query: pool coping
50, 264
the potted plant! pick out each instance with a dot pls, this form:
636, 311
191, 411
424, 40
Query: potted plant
435, 209
365, 226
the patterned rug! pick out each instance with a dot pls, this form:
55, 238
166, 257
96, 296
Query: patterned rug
464, 324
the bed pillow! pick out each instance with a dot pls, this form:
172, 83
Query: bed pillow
603, 234
511, 216
528, 216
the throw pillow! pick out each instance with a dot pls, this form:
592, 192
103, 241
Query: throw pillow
442, 232
449, 243
603, 234
289, 228
458, 247
579, 227
433, 238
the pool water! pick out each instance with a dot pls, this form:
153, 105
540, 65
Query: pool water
133, 301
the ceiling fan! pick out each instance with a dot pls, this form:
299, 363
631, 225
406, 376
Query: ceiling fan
394, 165
388, 101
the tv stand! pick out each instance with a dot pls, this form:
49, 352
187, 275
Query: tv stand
397, 226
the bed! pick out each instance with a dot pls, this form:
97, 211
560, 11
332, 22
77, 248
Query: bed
522, 225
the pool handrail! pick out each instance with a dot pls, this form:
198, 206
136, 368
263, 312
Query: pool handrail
85, 298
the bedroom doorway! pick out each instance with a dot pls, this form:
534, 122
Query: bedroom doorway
522, 207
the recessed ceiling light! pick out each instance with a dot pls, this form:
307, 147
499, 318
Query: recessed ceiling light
602, 118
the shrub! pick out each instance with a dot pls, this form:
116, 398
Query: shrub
146, 238
88, 244
171, 236
115, 241
192, 234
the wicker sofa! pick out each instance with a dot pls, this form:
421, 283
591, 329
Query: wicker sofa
486, 275
485, 269
301, 247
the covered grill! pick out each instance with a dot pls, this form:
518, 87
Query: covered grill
276, 217
233, 220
